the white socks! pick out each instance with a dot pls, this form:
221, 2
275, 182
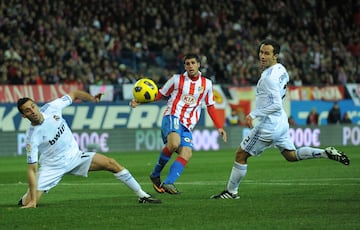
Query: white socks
304, 153
126, 177
238, 172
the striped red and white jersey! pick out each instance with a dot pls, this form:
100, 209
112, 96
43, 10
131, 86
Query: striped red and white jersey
186, 97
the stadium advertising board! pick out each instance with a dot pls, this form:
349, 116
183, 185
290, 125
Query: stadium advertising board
94, 116
149, 139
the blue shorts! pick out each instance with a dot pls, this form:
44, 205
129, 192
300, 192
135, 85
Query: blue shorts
172, 124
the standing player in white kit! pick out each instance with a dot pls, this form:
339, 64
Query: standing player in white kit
50, 137
272, 128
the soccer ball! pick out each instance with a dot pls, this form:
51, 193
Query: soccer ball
145, 90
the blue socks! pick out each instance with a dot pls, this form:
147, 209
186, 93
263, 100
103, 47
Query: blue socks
164, 157
176, 170
160, 164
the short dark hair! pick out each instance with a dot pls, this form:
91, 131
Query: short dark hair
191, 55
22, 101
271, 42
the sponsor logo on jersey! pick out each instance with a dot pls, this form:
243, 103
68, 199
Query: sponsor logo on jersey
60, 131
200, 89
189, 99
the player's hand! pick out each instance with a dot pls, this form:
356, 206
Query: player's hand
98, 97
31, 204
249, 121
133, 103
222, 133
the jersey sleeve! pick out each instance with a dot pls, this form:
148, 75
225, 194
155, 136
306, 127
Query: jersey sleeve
209, 96
58, 104
215, 119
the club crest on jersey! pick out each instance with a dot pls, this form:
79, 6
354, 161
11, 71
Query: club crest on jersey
56, 117
200, 89
189, 99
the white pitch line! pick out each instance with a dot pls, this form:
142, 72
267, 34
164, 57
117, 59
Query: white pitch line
301, 182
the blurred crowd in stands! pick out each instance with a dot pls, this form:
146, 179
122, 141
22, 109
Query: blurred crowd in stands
118, 41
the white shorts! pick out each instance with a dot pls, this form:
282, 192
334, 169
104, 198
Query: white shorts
258, 139
50, 176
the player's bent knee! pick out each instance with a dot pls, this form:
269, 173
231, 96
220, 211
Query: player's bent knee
113, 165
290, 156
172, 147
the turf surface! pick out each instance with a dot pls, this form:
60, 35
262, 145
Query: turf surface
312, 194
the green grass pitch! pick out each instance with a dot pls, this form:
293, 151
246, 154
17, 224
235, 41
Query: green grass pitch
311, 194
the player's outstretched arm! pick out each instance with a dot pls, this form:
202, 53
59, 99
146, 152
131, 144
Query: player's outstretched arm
84, 96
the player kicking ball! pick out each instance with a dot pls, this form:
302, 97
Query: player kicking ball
186, 94
272, 128
51, 143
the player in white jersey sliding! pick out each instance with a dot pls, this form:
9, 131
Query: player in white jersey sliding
51, 143
272, 128
186, 94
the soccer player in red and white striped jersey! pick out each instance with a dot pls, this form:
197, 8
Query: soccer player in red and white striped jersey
186, 94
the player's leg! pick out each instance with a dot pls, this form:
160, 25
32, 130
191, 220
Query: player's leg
237, 174
250, 145
172, 144
305, 153
102, 162
178, 166
287, 148
290, 153
176, 170
170, 131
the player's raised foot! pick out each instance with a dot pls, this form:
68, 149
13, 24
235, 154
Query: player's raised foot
149, 200
337, 155
156, 181
225, 195
170, 188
